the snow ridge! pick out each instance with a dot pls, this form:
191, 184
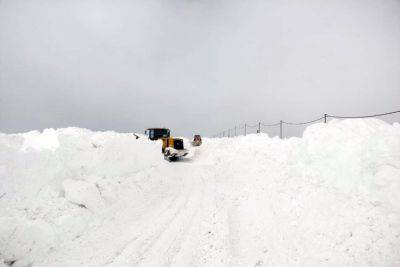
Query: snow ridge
73, 197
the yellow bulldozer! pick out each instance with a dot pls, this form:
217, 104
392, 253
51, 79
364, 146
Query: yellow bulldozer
173, 148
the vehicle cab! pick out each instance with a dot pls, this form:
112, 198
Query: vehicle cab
157, 133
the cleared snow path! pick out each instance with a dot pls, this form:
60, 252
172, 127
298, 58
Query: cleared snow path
72, 197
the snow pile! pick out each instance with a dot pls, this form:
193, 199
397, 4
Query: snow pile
331, 197
73, 197
51, 193
40, 141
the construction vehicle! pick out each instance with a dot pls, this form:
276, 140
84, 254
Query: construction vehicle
173, 148
196, 140
157, 133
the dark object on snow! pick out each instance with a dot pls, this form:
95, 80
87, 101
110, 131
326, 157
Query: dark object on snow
197, 140
157, 133
10, 262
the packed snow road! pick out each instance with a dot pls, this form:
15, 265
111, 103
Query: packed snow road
72, 197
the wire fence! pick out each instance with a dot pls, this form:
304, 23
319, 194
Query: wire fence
249, 128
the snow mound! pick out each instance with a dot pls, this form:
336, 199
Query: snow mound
73, 197
40, 141
83, 193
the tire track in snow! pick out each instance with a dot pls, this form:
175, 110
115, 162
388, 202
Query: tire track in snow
170, 243
124, 228
174, 221
213, 232
158, 212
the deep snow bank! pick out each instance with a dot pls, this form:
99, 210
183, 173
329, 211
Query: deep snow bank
56, 184
74, 197
330, 198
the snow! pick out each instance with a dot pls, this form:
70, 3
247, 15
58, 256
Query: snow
40, 141
73, 197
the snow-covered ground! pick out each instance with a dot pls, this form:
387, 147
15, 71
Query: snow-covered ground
72, 197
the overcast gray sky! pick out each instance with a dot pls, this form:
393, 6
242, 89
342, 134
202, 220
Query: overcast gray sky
194, 66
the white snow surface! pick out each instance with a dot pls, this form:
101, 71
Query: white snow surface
73, 197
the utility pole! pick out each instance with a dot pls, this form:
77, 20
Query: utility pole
325, 115
259, 127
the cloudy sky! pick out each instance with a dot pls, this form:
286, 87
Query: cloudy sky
196, 66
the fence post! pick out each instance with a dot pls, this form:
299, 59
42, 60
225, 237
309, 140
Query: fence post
235, 130
245, 129
259, 127
325, 117
280, 129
